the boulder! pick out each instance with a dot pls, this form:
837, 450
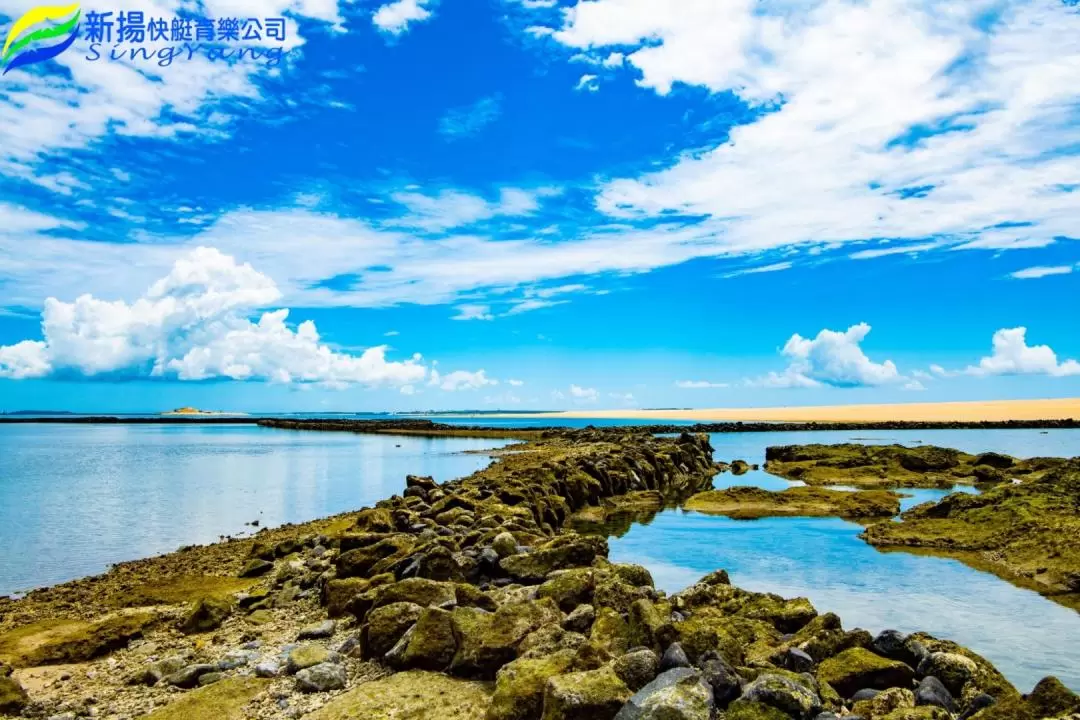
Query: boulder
321, 678
725, 682
519, 685
610, 631
580, 619
637, 668
1050, 698
487, 641
362, 561
12, 696
678, 694
504, 544
885, 702
952, 669
205, 615
256, 568
569, 588
548, 639
650, 625
413, 694
565, 551
385, 626
589, 695
932, 691
317, 631
674, 657
188, 676
784, 693
857, 668
433, 643
305, 656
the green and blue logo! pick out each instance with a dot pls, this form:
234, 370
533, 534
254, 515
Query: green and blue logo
41, 34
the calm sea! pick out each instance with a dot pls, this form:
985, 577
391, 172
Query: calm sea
75, 498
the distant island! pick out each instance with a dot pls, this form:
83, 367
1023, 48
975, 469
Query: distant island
186, 410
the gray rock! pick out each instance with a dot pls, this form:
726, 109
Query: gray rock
320, 630
865, 694
188, 677
977, 703
783, 693
674, 657
210, 678
351, 647
321, 678
580, 619
637, 668
678, 694
236, 658
932, 691
163, 668
725, 682
268, 669
892, 644
797, 660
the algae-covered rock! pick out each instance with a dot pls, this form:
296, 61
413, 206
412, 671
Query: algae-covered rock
746, 710
433, 643
205, 615
385, 626
793, 695
650, 625
749, 503
918, 713
412, 695
610, 631
487, 641
519, 685
256, 568
677, 694
565, 551
323, 677
885, 702
548, 639
70, 641
223, 700
12, 696
952, 669
418, 591
1050, 698
504, 544
858, 668
305, 656
637, 668
589, 695
569, 588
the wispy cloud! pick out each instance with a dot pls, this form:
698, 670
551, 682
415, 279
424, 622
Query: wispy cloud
469, 120
699, 384
473, 312
1033, 273
775, 267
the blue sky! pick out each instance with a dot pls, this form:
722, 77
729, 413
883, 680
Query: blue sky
541, 204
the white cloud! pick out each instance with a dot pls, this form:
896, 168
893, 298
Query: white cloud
521, 306
894, 250
470, 120
394, 18
42, 114
949, 119
699, 384
584, 394
588, 83
1013, 356
391, 333
832, 358
516, 383
451, 209
1033, 273
775, 267
473, 312
462, 380
193, 325
913, 385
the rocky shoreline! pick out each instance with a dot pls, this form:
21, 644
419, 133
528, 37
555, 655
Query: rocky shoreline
473, 600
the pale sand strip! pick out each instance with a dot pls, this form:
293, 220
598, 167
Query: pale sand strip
913, 412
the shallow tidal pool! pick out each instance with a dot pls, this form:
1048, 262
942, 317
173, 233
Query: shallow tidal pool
1024, 634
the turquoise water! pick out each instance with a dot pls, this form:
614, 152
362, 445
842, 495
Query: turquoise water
1025, 635
76, 498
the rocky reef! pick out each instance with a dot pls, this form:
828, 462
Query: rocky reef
1024, 530
893, 466
747, 503
472, 600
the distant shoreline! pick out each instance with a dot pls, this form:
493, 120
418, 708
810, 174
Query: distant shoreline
944, 412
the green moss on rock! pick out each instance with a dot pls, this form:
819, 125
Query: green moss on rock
413, 695
858, 668
224, 700
747, 503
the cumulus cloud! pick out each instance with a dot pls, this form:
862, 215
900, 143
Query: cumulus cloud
194, 324
1013, 356
396, 17
832, 358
